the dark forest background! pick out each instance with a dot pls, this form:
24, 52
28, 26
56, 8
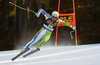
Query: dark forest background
18, 26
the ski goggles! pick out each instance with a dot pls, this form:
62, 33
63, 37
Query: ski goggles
54, 17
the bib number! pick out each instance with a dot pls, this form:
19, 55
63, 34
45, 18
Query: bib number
50, 26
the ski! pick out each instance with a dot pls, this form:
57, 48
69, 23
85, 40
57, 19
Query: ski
32, 51
19, 54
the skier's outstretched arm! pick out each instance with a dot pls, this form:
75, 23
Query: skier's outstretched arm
66, 23
43, 12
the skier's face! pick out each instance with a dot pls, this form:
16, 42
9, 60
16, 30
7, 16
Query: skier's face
54, 18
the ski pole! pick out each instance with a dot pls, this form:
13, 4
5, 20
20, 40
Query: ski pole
22, 7
71, 34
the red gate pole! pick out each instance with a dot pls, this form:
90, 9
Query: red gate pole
57, 25
74, 21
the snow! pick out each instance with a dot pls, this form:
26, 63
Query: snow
64, 55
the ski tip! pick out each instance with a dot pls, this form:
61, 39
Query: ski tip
24, 56
12, 59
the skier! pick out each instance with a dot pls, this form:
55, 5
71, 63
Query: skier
45, 32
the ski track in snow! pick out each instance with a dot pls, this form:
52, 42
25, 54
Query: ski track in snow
64, 55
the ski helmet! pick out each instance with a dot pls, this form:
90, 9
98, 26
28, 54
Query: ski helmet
55, 13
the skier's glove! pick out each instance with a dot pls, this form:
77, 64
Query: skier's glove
73, 27
37, 14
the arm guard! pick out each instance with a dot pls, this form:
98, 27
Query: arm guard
43, 12
65, 23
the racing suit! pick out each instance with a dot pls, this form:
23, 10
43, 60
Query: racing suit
45, 32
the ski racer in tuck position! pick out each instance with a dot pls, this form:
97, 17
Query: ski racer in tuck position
45, 32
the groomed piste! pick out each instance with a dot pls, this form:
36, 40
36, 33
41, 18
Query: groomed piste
64, 55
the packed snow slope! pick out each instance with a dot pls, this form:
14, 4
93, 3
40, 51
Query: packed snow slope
64, 55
